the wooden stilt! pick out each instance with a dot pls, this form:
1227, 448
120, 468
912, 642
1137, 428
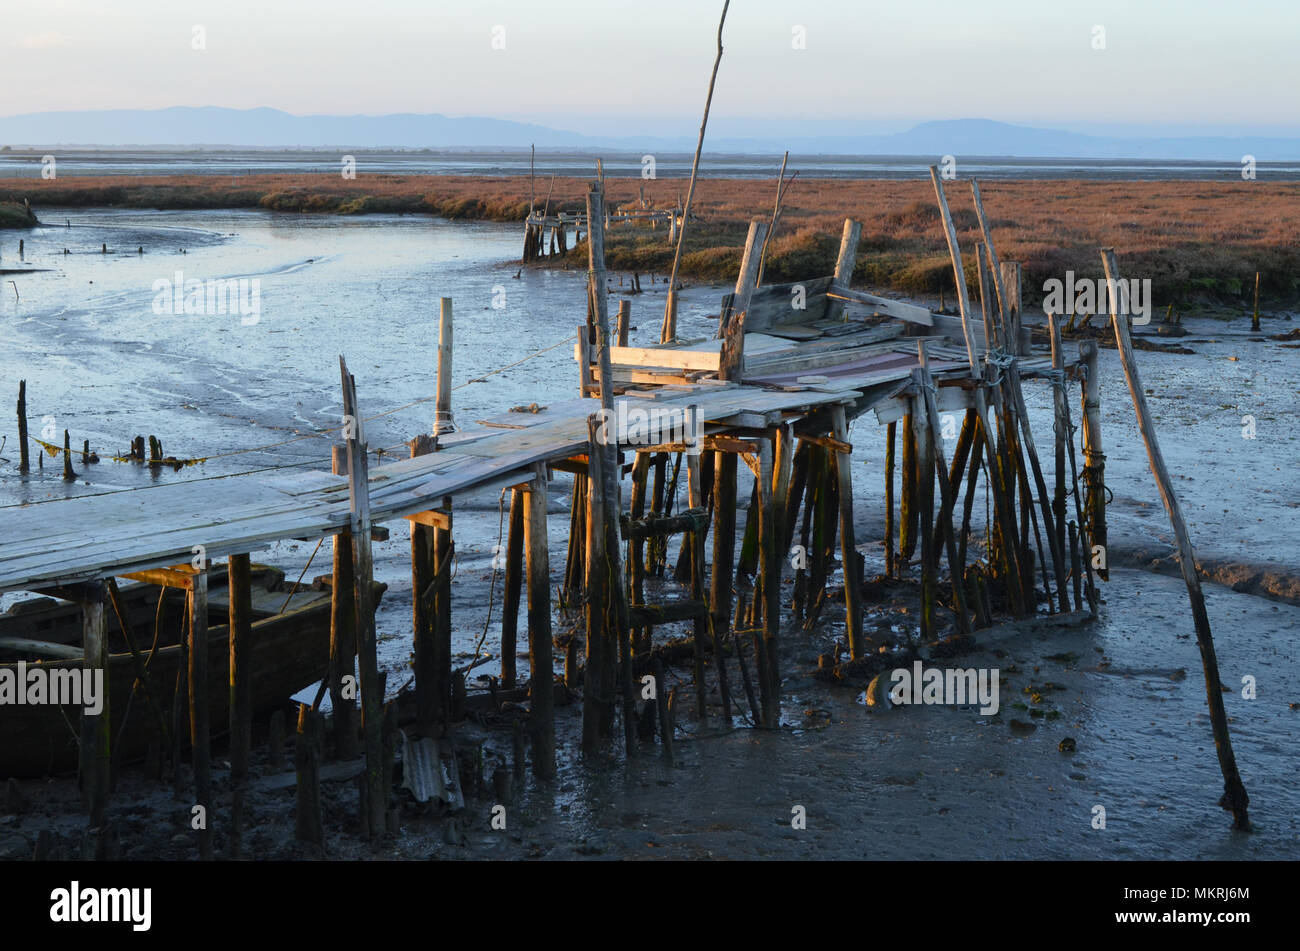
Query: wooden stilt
24, 465
513, 588
376, 804
308, 819
541, 662
890, 439
770, 563
343, 631
238, 587
695, 541
925, 499
908, 510
636, 549
96, 761
848, 542
422, 619
200, 726
1094, 460
724, 550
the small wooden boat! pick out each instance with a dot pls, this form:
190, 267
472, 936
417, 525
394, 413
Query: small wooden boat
290, 636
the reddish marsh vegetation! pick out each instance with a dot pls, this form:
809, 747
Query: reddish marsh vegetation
1191, 239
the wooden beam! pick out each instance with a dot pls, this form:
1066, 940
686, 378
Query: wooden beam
959, 274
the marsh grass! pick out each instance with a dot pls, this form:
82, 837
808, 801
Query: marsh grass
1194, 240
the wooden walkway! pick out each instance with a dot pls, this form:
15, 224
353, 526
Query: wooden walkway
121, 532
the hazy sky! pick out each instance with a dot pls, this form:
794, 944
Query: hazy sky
620, 67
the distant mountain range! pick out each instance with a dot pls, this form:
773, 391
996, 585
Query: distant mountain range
215, 127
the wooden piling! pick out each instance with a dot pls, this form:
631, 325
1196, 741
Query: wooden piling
514, 555
624, 321
695, 543
925, 455
308, 821
23, 463
443, 419
1234, 797
724, 551
907, 524
1094, 460
363, 570
541, 662
848, 542
890, 439
68, 474
343, 629
95, 732
200, 726
770, 563
239, 591
428, 702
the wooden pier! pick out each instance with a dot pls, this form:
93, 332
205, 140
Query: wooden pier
789, 370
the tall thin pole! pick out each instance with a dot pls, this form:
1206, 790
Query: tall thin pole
669, 331
1234, 797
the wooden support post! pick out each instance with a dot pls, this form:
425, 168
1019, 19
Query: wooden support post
1017, 341
200, 725
770, 564
947, 493
96, 737
724, 552
636, 549
890, 438
24, 465
541, 662
597, 695
68, 474
695, 541
959, 274
1061, 434
1002, 505
1234, 797
731, 359
513, 587
624, 321
929, 561
443, 422
308, 819
427, 702
907, 506
239, 591
1057, 554
848, 541
844, 262
444, 555
1094, 461
343, 629
376, 805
